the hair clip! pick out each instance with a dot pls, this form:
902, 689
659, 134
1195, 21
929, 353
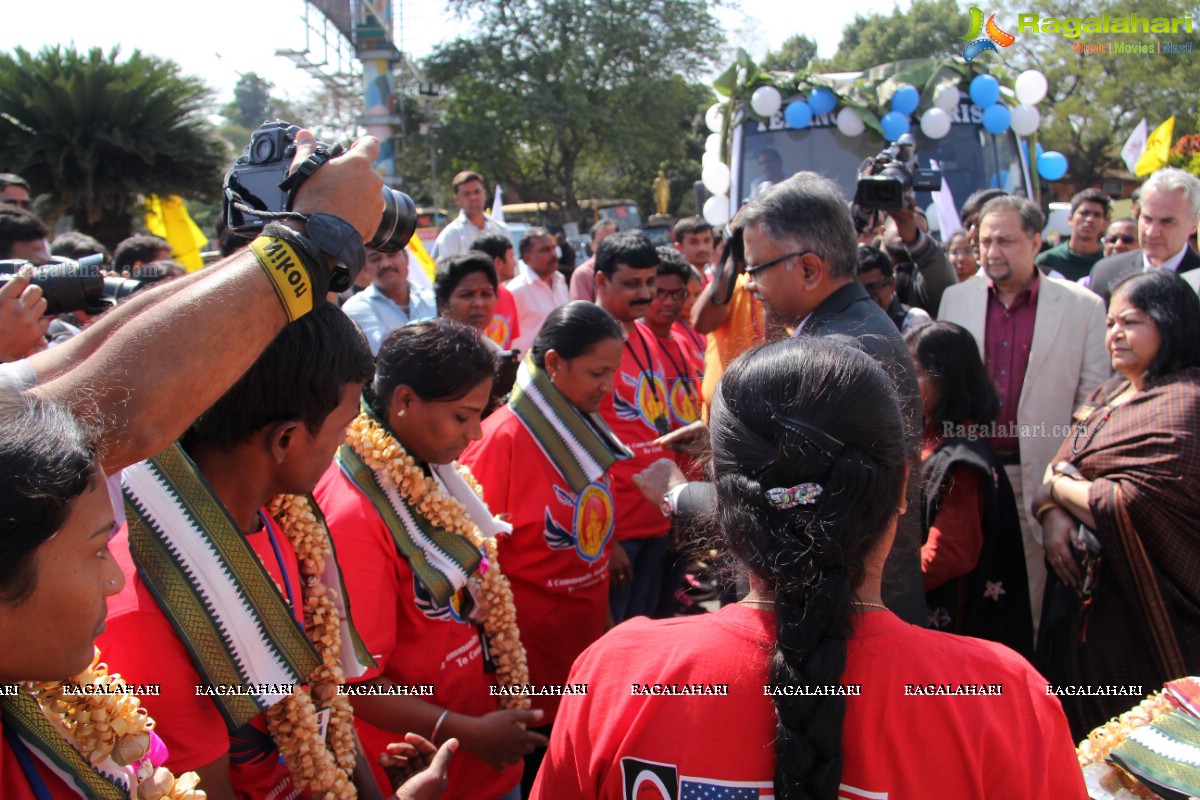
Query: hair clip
831, 446
802, 494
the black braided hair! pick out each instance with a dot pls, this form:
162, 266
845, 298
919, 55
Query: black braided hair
797, 411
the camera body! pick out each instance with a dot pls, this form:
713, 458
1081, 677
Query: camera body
888, 180
70, 285
259, 181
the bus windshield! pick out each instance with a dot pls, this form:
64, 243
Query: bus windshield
970, 158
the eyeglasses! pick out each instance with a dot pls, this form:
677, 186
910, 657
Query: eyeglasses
670, 294
875, 286
25, 204
754, 270
1123, 239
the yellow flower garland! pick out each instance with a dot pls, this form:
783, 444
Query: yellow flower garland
387, 458
324, 767
1104, 739
109, 723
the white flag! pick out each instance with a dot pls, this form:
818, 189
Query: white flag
498, 203
1135, 145
947, 214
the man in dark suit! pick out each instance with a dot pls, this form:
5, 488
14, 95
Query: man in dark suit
1170, 205
801, 258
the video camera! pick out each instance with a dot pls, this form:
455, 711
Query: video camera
259, 181
70, 285
887, 180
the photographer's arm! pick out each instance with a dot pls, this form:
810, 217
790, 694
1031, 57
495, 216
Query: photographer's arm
155, 374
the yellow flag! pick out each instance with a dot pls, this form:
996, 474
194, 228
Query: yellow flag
416, 250
1158, 148
168, 217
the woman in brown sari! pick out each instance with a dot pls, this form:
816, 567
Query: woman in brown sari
1120, 509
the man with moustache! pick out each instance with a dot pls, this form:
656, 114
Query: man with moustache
392, 300
1168, 210
1074, 258
539, 288
1043, 342
1121, 236
637, 412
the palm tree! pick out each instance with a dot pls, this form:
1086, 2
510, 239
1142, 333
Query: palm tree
90, 133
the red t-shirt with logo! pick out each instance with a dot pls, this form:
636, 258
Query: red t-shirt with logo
896, 746
559, 579
638, 398
504, 326
140, 643
414, 642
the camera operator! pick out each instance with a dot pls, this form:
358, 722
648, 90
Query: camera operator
136, 370
922, 270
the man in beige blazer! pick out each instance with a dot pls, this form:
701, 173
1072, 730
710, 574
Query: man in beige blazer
1043, 342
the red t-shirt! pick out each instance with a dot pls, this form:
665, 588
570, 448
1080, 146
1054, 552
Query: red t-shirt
611, 744
693, 344
140, 643
413, 643
638, 398
559, 583
504, 326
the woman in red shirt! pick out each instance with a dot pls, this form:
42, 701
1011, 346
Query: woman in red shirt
560, 508
972, 558
817, 690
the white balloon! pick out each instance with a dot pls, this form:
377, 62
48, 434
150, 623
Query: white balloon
1025, 120
849, 123
714, 118
715, 177
716, 209
713, 144
708, 159
1031, 87
935, 123
766, 100
946, 97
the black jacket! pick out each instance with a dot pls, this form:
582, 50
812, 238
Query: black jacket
1110, 271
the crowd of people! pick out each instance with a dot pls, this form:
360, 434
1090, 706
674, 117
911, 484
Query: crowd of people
700, 520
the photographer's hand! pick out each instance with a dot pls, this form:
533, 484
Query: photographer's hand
906, 221
347, 186
22, 326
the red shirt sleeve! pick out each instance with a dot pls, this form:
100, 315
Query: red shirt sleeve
956, 535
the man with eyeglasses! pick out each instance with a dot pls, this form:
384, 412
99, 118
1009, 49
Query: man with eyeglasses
1074, 258
878, 277
1121, 236
14, 190
801, 259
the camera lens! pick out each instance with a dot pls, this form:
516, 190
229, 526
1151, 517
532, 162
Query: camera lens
66, 285
398, 224
262, 150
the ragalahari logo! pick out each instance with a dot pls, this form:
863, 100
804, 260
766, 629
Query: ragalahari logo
976, 43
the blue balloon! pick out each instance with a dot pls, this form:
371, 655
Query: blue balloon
997, 119
798, 114
905, 99
985, 91
1052, 165
894, 125
822, 100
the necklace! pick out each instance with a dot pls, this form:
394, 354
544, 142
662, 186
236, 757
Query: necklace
323, 764
126, 739
868, 605
1082, 427
386, 457
749, 602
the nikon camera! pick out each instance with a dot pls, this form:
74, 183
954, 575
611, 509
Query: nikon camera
259, 181
888, 180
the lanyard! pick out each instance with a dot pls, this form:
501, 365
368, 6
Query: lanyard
40, 790
287, 583
648, 375
681, 371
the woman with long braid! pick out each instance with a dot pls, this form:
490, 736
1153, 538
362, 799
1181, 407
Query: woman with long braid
808, 687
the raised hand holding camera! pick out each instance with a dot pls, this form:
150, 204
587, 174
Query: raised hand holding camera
264, 192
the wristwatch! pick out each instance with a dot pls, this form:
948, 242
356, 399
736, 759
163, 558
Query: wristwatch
670, 501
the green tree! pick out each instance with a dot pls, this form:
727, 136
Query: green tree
251, 101
929, 29
792, 56
563, 99
91, 132
1096, 99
